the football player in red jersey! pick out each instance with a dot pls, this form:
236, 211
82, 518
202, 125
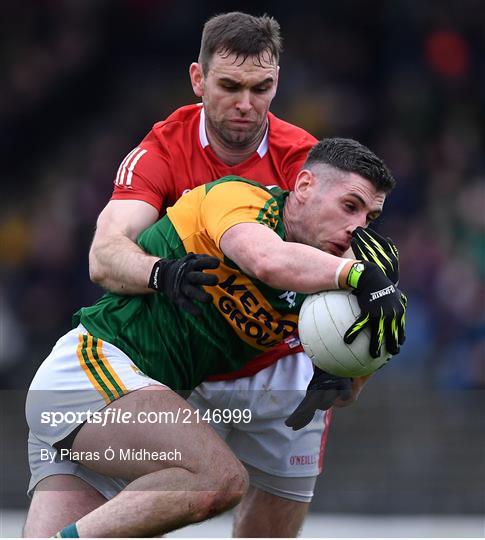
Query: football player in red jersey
231, 132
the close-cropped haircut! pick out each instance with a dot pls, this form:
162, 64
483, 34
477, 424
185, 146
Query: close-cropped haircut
351, 156
240, 34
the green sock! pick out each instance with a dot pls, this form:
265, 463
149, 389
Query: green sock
68, 532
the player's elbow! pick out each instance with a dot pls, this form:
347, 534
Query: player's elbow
96, 274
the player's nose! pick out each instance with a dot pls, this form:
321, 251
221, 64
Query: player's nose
348, 230
243, 103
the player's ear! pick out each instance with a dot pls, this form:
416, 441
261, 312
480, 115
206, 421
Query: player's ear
304, 182
197, 78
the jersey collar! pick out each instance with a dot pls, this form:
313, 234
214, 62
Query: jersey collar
204, 141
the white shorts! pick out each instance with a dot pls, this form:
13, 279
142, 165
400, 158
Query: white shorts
77, 377
266, 443
271, 395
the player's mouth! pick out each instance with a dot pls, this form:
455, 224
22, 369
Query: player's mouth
241, 122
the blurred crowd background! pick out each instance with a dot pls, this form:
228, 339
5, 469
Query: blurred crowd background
83, 81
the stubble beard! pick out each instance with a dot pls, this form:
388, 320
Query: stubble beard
237, 139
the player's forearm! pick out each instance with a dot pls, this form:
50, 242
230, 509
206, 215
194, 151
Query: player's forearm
301, 268
119, 265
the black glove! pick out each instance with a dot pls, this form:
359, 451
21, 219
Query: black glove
383, 308
322, 391
367, 245
181, 280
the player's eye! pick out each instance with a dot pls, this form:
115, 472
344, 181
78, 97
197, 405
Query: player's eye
230, 87
261, 89
350, 207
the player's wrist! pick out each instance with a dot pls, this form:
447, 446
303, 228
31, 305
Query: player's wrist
355, 273
156, 279
343, 273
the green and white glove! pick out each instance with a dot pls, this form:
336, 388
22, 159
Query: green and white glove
367, 245
382, 305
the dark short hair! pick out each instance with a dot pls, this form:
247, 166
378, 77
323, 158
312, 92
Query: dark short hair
241, 34
352, 156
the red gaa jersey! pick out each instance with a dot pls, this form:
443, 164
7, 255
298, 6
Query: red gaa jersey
176, 157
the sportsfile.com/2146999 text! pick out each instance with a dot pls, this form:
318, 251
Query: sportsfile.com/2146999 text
113, 415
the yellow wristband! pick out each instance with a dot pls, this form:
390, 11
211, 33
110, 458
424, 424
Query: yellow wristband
354, 274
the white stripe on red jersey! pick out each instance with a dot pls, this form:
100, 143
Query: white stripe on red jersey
127, 166
120, 168
132, 166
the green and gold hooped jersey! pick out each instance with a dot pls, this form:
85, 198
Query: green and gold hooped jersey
246, 316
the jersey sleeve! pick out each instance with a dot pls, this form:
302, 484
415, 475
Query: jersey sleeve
144, 175
295, 159
230, 203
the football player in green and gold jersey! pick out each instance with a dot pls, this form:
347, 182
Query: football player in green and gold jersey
234, 261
